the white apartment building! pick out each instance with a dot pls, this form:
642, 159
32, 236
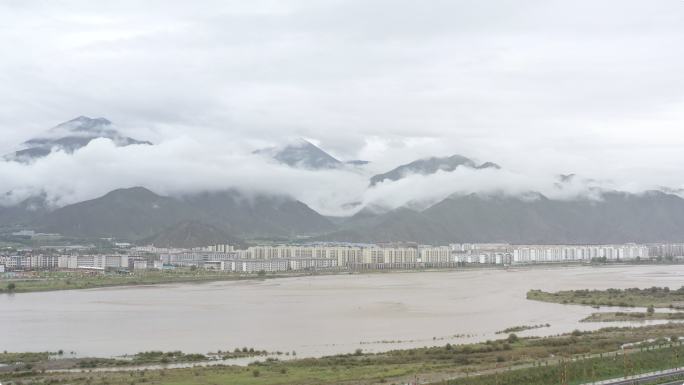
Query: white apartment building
99, 261
463, 247
343, 255
435, 255
137, 264
30, 261
561, 253
489, 258
268, 265
317, 263
255, 265
184, 258
389, 255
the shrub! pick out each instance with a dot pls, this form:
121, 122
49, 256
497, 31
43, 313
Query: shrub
512, 338
255, 372
461, 359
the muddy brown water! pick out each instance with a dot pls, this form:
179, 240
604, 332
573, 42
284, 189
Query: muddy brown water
313, 316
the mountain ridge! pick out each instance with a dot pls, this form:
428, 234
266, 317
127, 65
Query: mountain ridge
428, 166
137, 212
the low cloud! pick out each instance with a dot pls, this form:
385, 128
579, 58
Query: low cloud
184, 166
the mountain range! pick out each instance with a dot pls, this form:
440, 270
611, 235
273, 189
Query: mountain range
137, 212
617, 218
140, 214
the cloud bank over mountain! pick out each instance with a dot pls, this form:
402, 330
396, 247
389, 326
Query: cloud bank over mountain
184, 166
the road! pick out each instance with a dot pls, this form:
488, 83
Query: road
646, 378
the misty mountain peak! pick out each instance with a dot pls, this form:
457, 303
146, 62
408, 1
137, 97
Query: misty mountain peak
301, 153
69, 137
428, 166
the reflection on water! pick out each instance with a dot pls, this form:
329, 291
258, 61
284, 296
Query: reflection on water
313, 316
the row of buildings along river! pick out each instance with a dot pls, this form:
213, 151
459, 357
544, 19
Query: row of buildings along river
388, 255
392, 255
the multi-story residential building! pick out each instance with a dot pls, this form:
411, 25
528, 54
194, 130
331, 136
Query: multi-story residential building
137, 264
666, 250
562, 253
254, 265
269, 265
434, 255
464, 247
98, 261
183, 258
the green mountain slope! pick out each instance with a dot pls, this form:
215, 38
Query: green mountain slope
25, 211
125, 213
188, 234
136, 213
260, 215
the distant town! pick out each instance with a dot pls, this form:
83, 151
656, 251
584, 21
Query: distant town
324, 256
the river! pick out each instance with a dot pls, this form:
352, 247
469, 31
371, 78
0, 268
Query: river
314, 316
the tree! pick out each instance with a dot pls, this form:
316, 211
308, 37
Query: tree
261, 273
193, 267
11, 286
650, 310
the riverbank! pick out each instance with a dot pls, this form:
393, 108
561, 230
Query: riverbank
72, 280
631, 317
81, 281
584, 356
659, 297
54, 281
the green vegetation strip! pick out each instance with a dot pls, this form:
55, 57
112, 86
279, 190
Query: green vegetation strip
623, 316
74, 281
517, 329
584, 356
658, 297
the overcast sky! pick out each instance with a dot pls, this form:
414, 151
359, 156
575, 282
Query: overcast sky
539, 87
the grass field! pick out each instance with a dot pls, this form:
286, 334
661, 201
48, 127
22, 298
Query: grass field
48, 281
